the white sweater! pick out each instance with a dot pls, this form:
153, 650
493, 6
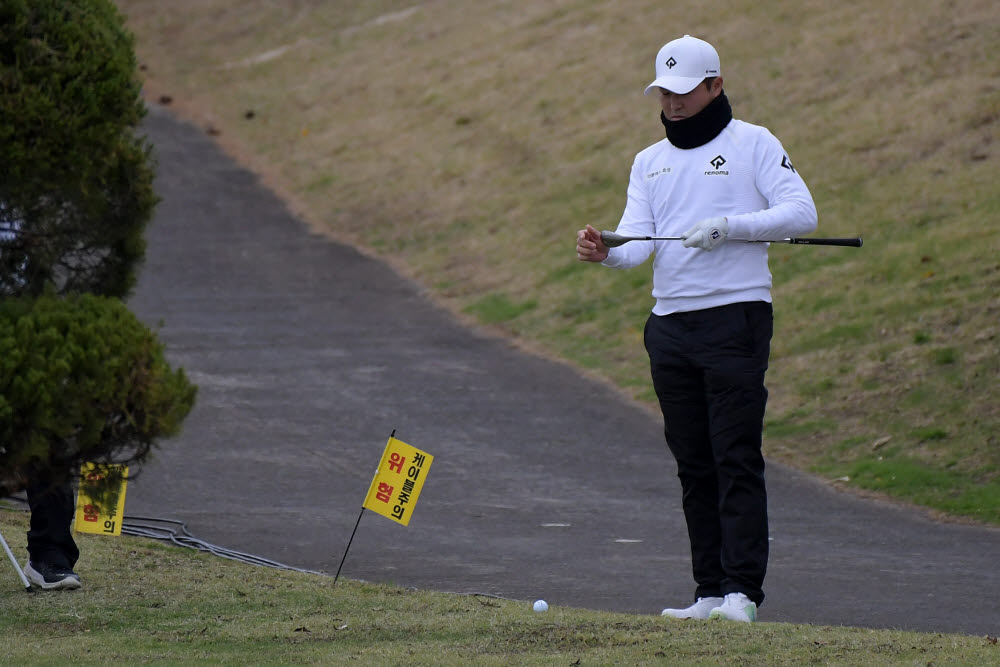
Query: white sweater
744, 175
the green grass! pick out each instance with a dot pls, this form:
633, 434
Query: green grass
896, 475
468, 147
497, 307
923, 470
144, 601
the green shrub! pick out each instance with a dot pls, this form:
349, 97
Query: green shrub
81, 379
75, 181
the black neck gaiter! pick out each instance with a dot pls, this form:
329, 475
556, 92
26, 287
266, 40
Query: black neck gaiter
702, 127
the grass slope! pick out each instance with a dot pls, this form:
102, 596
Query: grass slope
144, 601
466, 143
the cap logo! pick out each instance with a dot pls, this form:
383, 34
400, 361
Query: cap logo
671, 62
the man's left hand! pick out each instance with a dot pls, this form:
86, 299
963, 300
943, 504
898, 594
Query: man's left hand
706, 234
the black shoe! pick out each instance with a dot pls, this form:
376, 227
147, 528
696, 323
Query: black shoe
51, 577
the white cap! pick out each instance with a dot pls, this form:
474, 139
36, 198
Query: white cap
684, 63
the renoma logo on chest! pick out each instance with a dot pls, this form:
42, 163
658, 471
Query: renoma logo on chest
717, 163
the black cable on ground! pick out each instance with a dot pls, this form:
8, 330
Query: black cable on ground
179, 535
182, 537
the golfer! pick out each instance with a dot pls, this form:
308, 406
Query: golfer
714, 181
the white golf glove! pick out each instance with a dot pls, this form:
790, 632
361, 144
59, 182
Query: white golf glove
706, 234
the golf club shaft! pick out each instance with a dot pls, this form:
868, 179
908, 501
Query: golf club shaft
13, 561
613, 240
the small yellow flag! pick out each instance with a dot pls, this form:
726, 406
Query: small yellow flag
90, 516
398, 480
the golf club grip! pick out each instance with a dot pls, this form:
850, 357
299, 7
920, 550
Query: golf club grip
805, 240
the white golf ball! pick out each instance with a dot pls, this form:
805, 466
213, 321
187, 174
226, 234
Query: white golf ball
540, 605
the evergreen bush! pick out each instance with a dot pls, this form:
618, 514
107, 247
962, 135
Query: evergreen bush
81, 379
76, 182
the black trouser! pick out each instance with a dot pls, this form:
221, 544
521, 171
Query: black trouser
708, 371
49, 537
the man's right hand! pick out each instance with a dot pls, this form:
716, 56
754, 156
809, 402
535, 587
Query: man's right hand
589, 246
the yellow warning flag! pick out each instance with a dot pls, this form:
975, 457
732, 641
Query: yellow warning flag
398, 480
101, 517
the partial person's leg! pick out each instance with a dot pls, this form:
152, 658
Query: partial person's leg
736, 357
680, 392
50, 539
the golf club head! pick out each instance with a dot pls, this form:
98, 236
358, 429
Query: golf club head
612, 240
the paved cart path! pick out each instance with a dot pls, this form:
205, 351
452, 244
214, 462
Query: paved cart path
308, 354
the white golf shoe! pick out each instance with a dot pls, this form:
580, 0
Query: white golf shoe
737, 607
700, 609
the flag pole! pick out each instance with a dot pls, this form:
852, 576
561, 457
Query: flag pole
20, 572
348, 546
350, 541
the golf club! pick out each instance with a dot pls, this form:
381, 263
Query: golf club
13, 561
613, 240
